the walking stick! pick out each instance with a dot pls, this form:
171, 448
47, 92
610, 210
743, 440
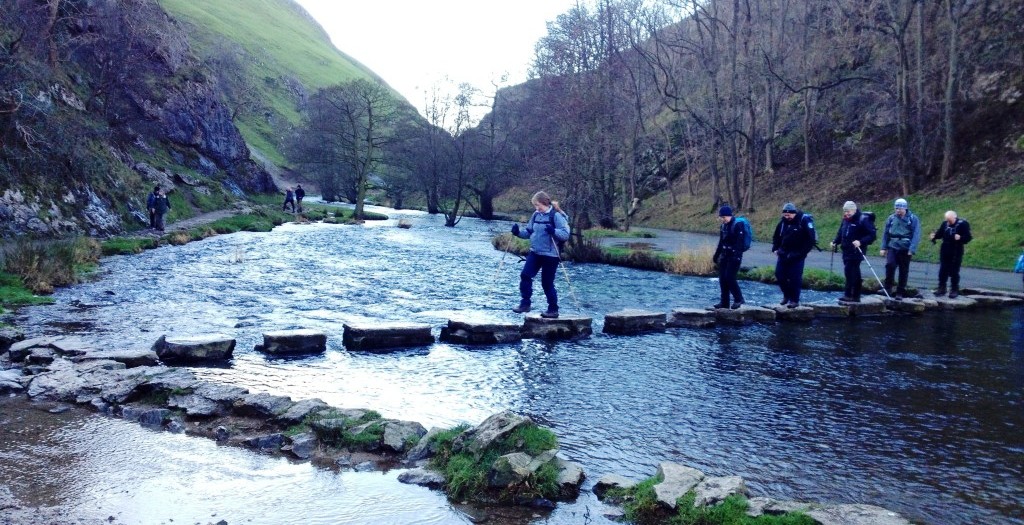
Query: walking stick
566, 273
832, 261
880, 285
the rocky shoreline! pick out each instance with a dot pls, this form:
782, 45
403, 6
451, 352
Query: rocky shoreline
136, 386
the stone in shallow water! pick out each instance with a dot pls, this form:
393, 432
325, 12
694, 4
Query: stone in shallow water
799, 314
198, 349
634, 321
691, 318
907, 306
386, 334
480, 332
302, 341
564, 327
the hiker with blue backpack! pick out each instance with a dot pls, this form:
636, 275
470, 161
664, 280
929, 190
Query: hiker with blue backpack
900, 238
954, 233
856, 232
794, 238
734, 237
544, 229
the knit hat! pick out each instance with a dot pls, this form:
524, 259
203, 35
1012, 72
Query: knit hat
849, 205
725, 211
789, 207
900, 203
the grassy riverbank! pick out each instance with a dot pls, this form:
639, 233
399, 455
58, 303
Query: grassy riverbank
641, 507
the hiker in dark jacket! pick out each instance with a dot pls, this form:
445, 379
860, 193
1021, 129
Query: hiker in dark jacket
794, 238
299, 195
728, 256
545, 227
289, 200
856, 232
150, 201
161, 205
900, 238
955, 233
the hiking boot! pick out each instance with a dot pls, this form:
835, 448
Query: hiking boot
716, 306
521, 309
940, 291
784, 301
845, 299
736, 305
793, 304
550, 314
954, 293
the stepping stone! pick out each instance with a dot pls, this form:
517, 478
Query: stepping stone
745, 315
386, 334
907, 306
801, 314
960, 303
632, 321
998, 293
480, 332
302, 341
830, 309
209, 348
994, 300
690, 318
130, 358
564, 327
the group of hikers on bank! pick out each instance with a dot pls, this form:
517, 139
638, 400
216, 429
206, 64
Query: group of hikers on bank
794, 238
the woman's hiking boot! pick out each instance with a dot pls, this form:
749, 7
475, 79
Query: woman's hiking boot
940, 291
550, 314
736, 305
954, 293
716, 306
522, 308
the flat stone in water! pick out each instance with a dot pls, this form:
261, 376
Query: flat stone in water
301, 341
480, 332
386, 334
195, 349
801, 314
563, 327
691, 318
634, 321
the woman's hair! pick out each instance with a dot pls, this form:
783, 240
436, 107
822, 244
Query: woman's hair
542, 198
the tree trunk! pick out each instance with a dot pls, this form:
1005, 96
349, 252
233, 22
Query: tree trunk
948, 129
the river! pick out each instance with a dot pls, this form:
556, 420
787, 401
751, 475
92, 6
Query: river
922, 415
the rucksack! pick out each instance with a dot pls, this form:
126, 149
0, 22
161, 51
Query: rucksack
1020, 264
748, 233
808, 222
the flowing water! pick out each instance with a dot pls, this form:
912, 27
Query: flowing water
923, 415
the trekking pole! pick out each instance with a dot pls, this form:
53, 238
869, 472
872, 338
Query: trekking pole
832, 261
872, 268
566, 273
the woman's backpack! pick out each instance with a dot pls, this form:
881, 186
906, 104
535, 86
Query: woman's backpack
1019, 268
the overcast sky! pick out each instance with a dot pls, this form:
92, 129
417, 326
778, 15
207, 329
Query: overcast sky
412, 44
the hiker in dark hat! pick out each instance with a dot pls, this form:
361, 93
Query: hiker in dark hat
161, 205
289, 200
150, 205
900, 238
794, 238
955, 233
728, 256
299, 195
544, 229
856, 232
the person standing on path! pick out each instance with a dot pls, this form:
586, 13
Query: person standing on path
545, 227
793, 239
955, 233
900, 238
150, 201
289, 199
856, 232
299, 195
161, 205
728, 256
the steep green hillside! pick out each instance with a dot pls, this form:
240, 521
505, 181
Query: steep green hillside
278, 55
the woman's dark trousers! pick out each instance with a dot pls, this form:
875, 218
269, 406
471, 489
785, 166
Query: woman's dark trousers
789, 272
728, 267
548, 266
851, 269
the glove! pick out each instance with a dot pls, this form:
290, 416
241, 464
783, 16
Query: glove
550, 229
515, 230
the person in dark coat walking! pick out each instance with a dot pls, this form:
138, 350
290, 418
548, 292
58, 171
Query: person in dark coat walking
856, 232
289, 200
955, 233
299, 195
161, 205
793, 239
728, 256
150, 201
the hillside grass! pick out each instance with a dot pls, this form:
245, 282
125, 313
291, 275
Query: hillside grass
285, 43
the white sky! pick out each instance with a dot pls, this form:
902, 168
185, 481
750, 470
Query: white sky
413, 44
